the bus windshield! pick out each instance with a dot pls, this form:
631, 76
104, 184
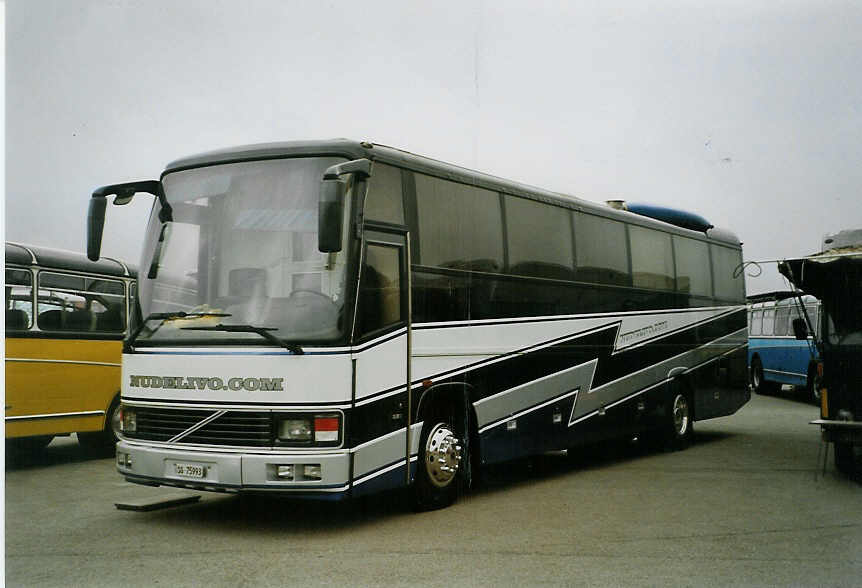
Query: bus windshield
239, 248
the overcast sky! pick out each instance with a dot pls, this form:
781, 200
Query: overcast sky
748, 113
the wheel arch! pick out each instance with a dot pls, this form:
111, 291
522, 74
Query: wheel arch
456, 394
115, 402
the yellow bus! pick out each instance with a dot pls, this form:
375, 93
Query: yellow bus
66, 317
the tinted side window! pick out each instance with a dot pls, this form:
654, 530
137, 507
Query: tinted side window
459, 226
75, 303
811, 309
383, 201
441, 296
768, 321
782, 320
105, 286
652, 259
756, 326
602, 250
19, 300
64, 281
380, 289
540, 239
725, 265
692, 266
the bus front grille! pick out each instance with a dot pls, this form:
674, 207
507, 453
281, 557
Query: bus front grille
233, 428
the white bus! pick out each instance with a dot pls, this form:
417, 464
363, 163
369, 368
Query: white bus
334, 318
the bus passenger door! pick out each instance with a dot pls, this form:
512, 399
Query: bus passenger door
382, 403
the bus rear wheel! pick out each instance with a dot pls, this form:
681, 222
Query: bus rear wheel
679, 427
760, 385
440, 472
813, 385
845, 459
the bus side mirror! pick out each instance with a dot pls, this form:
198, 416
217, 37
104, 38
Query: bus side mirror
95, 226
330, 218
800, 329
123, 194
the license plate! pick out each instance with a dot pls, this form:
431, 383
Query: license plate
190, 470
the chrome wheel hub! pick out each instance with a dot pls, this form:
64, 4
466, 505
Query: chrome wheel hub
680, 415
442, 455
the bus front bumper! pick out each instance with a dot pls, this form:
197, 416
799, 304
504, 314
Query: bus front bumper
840, 431
315, 474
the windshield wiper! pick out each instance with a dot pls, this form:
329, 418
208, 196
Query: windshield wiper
163, 316
262, 331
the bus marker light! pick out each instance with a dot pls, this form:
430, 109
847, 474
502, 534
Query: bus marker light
824, 404
311, 471
326, 428
124, 460
511, 425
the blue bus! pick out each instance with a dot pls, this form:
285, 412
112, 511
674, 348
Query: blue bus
775, 356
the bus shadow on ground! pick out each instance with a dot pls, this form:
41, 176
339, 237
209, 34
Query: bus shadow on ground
796, 393
62, 450
270, 514
279, 515
561, 463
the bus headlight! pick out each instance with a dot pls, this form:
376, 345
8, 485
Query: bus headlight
128, 420
294, 430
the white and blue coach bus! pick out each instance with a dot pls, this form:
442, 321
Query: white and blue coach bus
334, 318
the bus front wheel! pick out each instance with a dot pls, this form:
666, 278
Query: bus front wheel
440, 470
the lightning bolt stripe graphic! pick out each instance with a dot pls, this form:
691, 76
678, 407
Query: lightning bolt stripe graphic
525, 380
497, 409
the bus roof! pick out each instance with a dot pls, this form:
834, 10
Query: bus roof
47, 257
777, 296
769, 296
376, 152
